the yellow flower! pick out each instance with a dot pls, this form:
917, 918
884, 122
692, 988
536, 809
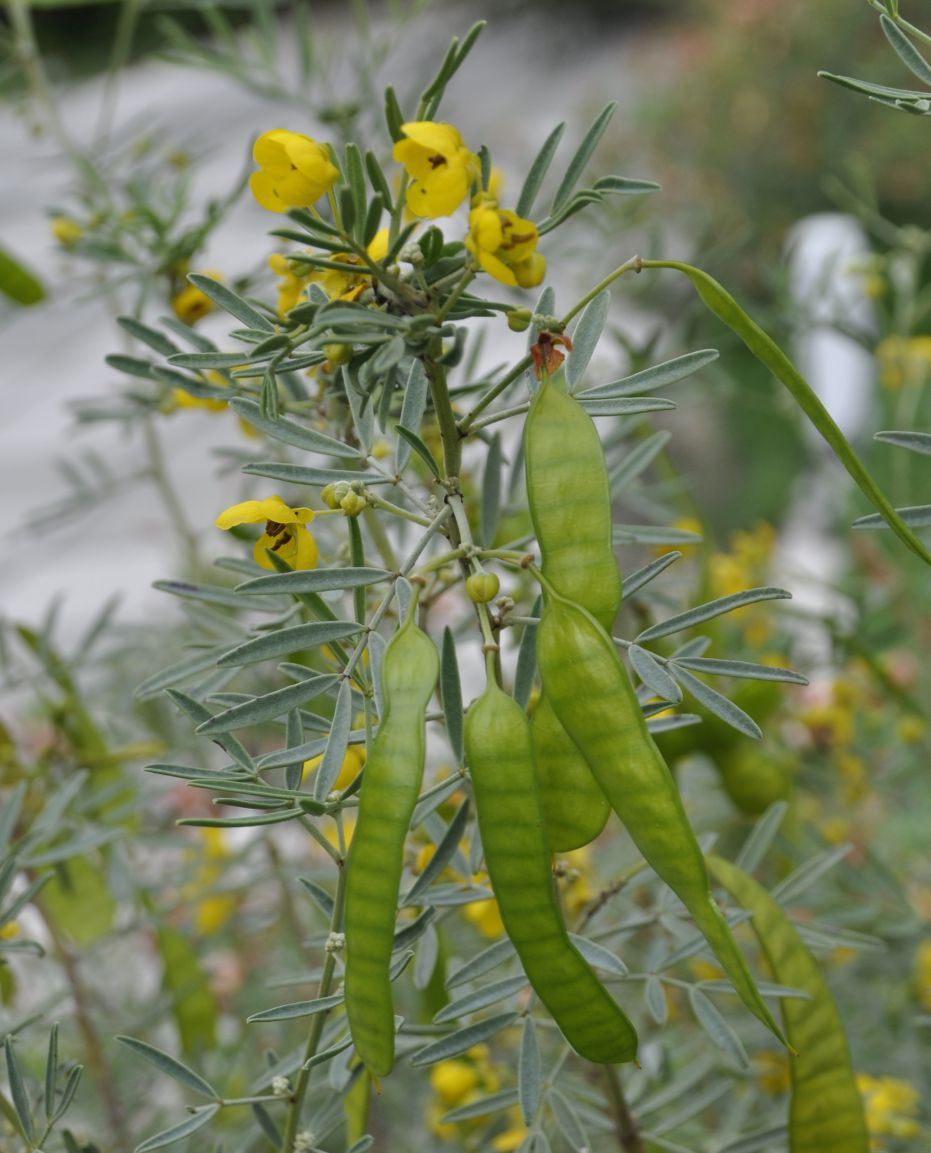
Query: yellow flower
352, 763
295, 170
923, 973
459, 1081
503, 243
190, 304
512, 1137
891, 1107
453, 1081
9, 931
284, 533
66, 230
574, 877
442, 168
211, 913
486, 917
336, 284
772, 1072
904, 362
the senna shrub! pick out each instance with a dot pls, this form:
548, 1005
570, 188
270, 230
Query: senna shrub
430, 516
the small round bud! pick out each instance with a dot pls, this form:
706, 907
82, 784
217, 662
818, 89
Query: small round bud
281, 1086
335, 943
353, 503
519, 319
338, 353
334, 493
482, 587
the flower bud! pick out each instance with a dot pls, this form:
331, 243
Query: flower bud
338, 353
353, 503
333, 494
482, 587
519, 319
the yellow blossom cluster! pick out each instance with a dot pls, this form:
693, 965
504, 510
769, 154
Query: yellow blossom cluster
904, 362
211, 913
891, 1107
441, 172
458, 1082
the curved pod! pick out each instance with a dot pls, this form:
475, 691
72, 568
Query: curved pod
391, 784
500, 756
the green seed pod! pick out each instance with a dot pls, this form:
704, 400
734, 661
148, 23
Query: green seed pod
393, 774
482, 587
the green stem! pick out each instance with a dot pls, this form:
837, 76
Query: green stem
166, 491
466, 279
395, 510
632, 265
625, 1126
316, 1029
442, 405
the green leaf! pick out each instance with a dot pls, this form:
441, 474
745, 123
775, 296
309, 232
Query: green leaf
717, 1028
914, 441
338, 741
723, 305
268, 706
529, 1072
490, 508
451, 694
585, 337
420, 448
51, 1072
317, 580
289, 431
316, 477
718, 704
598, 956
480, 999
652, 535
762, 1141
483, 1107
481, 963
231, 302
802, 878
878, 91
642, 576
67, 1094
17, 283
826, 1110
527, 659
189, 666
209, 360
538, 171
297, 1009
193, 1004
915, 516
906, 50
445, 851
412, 409
9, 815
171, 1066
760, 840
212, 594
453, 61
582, 156
741, 669
183, 1129
79, 901
625, 185
627, 406
288, 640
659, 376
462, 1039
18, 1091
653, 675
319, 896
567, 1120
712, 609
156, 340
198, 712
656, 1002
633, 463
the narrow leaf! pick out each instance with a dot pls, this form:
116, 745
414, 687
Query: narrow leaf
462, 1039
760, 840
598, 956
906, 50
481, 963
717, 1028
318, 580
659, 376
445, 851
538, 171
451, 694
718, 704
568, 1121
420, 448
638, 460
337, 743
266, 707
198, 713
655, 997
586, 336
529, 1072
231, 302
653, 675
171, 1066
643, 576
177, 1132
289, 431
413, 407
288, 640
582, 156
18, 1091
739, 669
480, 999
491, 493
914, 441
710, 610
297, 1009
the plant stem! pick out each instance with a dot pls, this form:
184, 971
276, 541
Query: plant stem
625, 1126
316, 1028
166, 491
